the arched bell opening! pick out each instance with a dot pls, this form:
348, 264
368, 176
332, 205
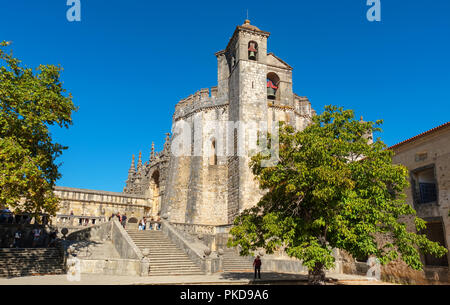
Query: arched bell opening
273, 82
252, 50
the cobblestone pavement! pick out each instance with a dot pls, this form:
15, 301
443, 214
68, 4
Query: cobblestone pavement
235, 278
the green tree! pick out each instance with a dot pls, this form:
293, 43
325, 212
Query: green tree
332, 189
30, 102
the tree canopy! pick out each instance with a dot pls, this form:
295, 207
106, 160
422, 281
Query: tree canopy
30, 102
332, 188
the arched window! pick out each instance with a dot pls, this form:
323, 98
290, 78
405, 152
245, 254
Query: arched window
155, 188
273, 82
252, 50
133, 220
213, 153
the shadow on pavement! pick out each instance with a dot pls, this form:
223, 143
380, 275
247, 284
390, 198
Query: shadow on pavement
267, 278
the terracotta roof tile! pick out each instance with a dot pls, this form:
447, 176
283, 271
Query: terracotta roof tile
421, 135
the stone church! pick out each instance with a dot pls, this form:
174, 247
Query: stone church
206, 186
201, 180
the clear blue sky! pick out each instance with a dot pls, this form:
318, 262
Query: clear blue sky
127, 63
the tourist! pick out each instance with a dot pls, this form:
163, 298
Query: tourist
3, 217
36, 236
17, 238
158, 225
119, 216
10, 218
26, 219
151, 223
257, 265
143, 223
53, 236
124, 220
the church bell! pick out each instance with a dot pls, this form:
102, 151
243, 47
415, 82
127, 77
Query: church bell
271, 90
252, 51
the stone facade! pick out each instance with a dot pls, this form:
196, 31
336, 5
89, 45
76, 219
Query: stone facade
427, 157
212, 183
90, 207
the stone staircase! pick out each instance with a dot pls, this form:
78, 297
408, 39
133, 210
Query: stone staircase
165, 257
27, 262
233, 262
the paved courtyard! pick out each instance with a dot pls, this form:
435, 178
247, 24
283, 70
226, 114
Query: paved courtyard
235, 278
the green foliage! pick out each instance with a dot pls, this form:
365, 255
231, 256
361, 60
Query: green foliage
29, 104
333, 189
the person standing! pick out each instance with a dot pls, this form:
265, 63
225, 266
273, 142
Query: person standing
159, 223
53, 235
124, 220
257, 265
36, 236
17, 238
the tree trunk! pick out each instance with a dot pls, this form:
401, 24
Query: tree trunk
316, 276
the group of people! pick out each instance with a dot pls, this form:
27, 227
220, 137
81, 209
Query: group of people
35, 238
7, 217
143, 224
122, 218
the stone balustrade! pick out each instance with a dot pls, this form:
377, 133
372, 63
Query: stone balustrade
194, 228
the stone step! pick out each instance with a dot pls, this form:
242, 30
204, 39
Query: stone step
175, 273
159, 250
171, 258
154, 245
166, 242
167, 254
174, 252
33, 272
22, 262
148, 235
173, 267
28, 254
165, 258
177, 263
153, 241
156, 252
137, 242
40, 267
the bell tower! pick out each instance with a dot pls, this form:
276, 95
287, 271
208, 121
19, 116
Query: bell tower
242, 78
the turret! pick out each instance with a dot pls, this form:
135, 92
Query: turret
132, 169
139, 165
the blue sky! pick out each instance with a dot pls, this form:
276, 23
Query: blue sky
127, 63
